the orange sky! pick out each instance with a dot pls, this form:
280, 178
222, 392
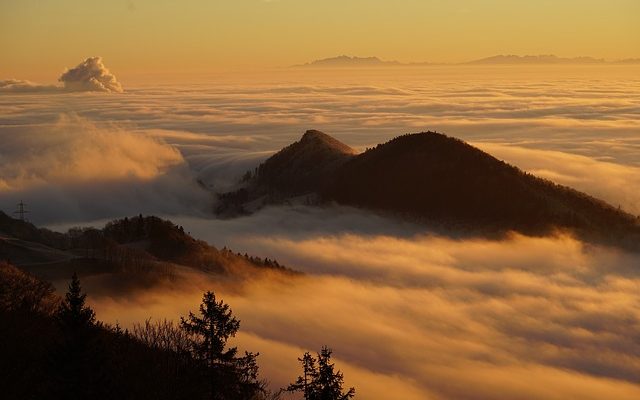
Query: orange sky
40, 38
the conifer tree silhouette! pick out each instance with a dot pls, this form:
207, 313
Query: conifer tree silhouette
230, 377
79, 353
211, 330
307, 382
320, 381
72, 313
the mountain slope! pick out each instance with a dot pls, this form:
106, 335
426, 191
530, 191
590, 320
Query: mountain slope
433, 178
18, 229
437, 178
23, 252
140, 246
304, 167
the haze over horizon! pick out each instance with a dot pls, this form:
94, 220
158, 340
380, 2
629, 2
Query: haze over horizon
40, 38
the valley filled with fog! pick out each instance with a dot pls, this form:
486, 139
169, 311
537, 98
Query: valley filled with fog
406, 310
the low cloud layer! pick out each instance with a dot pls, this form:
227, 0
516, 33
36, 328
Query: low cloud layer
76, 150
575, 131
75, 169
24, 86
426, 317
89, 76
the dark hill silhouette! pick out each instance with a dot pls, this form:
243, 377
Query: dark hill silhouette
142, 247
25, 230
303, 167
168, 242
53, 347
436, 179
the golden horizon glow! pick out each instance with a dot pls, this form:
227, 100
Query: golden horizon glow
40, 38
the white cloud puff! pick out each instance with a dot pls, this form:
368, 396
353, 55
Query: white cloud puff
90, 76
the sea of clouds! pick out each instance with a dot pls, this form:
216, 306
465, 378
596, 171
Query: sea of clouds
579, 129
409, 314
416, 316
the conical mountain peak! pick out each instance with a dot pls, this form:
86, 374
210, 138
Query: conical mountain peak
317, 138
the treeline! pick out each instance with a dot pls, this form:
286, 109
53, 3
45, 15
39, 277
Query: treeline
439, 179
137, 244
26, 231
434, 179
55, 348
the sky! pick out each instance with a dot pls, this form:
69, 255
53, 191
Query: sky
39, 38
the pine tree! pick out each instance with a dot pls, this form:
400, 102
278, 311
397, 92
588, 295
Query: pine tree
77, 359
330, 382
321, 381
211, 330
230, 377
306, 383
72, 313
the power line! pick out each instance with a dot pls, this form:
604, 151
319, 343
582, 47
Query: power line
21, 211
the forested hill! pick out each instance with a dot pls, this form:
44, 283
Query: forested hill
433, 178
142, 244
303, 167
16, 228
438, 178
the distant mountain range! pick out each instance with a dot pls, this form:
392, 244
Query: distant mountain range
431, 178
549, 59
342, 61
363, 62
539, 59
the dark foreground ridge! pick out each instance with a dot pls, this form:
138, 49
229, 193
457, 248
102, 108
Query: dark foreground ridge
137, 249
435, 179
57, 348
54, 347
